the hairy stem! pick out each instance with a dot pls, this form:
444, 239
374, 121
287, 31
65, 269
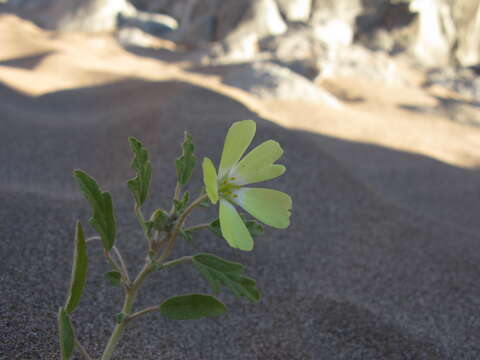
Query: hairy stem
141, 221
177, 261
198, 227
82, 350
178, 225
131, 291
142, 312
126, 310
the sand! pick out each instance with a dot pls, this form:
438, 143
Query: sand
382, 260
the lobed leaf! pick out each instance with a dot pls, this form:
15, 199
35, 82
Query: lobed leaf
186, 163
79, 270
181, 204
192, 306
65, 334
220, 272
114, 278
140, 184
103, 218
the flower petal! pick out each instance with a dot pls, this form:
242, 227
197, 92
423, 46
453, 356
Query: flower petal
258, 166
239, 136
233, 227
271, 207
210, 180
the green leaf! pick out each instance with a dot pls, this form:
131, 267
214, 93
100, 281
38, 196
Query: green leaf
220, 272
159, 219
192, 306
140, 184
186, 163
103, 219
65, 334
114, 278
187, 235
180, 205
79, 270
120, 317
254, 227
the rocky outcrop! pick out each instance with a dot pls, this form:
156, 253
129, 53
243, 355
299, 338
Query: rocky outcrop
270, 81
295, 10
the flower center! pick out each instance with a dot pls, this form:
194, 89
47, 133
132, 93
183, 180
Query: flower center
227, 188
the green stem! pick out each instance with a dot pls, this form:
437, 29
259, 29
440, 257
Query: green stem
198, 227
178, 225
142, 312
126, 310
141, 221
176, 261
82, 349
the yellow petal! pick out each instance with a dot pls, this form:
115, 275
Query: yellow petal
238, 138
271, 207
258, 165
210, 180
233, 227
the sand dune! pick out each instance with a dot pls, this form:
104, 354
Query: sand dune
381, 260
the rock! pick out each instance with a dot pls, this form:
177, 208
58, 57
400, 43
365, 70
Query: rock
360, 62
464, 81
263, 19
436, 32
298, 49
333, 21
295, 10
78, 15
270, 81
150, 23
386, 26
466, 14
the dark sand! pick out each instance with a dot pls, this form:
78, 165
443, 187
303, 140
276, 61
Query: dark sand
382, 260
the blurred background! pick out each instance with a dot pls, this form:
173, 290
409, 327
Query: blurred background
377, 104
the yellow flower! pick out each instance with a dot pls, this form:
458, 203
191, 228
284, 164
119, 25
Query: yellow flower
271, 207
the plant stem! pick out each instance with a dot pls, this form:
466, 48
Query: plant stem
131, 292
198, 227
176, 229
176, 261
82, 350
141, 221
126, 309
142, 312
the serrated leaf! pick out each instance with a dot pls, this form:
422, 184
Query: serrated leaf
254, 227
186, 163
220, 272
140, 184
79, 270
159, 219
114, 278
181, 204
192, 306
65, 334
103, 218
187, 235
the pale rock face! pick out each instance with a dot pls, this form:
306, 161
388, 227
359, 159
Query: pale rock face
435, 34
334, 21
295, 10
336, 33
269, 81
468, 52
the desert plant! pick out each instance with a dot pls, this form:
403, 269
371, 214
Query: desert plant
227, 187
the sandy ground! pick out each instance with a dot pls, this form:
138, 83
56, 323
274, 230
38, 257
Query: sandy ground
382, 260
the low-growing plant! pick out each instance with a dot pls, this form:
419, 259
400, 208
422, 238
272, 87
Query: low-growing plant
227, 186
